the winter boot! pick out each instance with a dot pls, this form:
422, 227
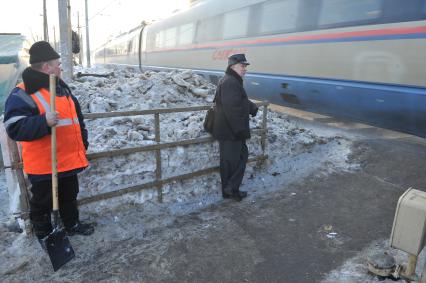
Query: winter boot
41, 225
80, 228
227, 192
239, 195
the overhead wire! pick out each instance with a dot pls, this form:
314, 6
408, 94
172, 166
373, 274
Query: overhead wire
103, 9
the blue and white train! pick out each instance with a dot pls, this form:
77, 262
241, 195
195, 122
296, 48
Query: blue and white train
364, 60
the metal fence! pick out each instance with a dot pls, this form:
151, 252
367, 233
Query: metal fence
159, 181
15, 176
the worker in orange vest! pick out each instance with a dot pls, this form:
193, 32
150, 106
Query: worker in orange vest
28, 119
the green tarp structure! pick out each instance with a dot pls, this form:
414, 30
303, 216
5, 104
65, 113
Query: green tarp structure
10, 47
11, 63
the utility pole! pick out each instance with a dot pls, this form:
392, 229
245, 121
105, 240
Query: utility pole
45, 28
80, 54
70, 35
65, 43
55, 42
87, 37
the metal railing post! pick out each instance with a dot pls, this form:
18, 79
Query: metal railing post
158, 158
264, 128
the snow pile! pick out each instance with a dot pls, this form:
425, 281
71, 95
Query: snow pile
128, 89
294, 152
291, 149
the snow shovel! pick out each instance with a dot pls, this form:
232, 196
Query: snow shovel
57, 243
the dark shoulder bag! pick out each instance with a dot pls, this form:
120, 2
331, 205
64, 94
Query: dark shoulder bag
209, 119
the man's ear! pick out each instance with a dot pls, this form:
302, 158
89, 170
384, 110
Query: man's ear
44, 67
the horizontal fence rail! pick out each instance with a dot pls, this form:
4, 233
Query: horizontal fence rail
154, 111
140, 187
159, 181
152, 147
16, 164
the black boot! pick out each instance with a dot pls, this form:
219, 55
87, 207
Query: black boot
41, 225
227, 192
238, 196
80, 228
242, 194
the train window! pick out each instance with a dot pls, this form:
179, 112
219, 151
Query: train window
348, 11
278, 16
150, 40
210, 29
186, 33
399, 11
235, 23
170, 37
121, 47
135, 46
129, 46
159, 39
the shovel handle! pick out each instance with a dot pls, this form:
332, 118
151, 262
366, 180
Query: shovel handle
52, 85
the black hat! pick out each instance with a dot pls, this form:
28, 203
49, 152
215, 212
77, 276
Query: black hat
237, 58
41, 51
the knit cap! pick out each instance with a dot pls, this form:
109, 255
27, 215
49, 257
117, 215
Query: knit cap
41, 51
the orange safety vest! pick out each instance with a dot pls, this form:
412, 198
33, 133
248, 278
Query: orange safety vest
70, 151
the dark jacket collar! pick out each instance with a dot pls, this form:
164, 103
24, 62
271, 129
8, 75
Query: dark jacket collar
232, 73
35, 80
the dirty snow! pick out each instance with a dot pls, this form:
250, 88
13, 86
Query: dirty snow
294, 153
355, 269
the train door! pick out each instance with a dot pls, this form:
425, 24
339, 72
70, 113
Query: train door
142, 45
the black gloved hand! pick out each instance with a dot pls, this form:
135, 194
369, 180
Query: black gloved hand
254, 111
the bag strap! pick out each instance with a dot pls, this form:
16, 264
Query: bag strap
218, 92
215, 95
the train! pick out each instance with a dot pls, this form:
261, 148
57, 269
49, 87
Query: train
13, 60
363, 60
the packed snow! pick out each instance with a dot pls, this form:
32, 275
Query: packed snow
125, 89
294, 152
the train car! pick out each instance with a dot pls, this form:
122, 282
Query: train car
13, 61
363, 60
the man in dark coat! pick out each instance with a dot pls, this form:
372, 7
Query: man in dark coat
25, 123
231, 126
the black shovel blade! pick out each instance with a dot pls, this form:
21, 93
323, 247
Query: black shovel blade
59, 248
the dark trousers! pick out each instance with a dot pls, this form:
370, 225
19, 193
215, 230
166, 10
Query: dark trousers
41, 204
233, 159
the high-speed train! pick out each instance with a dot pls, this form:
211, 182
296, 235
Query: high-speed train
364, 60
